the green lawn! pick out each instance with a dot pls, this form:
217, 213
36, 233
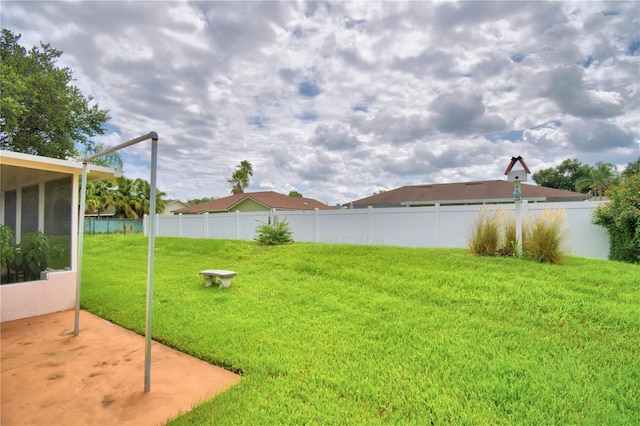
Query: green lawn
344, 334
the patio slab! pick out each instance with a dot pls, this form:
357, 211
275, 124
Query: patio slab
96, 378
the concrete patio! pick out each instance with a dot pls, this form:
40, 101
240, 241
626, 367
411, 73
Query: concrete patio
97, 378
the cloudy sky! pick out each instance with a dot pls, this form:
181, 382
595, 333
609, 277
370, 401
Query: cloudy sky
337, 100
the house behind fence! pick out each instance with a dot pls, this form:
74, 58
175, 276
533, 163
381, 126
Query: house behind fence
434, 226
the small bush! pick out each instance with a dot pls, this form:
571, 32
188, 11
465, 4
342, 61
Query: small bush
621, 218
485, 233
543, 237
276, 233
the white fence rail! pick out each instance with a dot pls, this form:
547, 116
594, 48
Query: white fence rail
437, 226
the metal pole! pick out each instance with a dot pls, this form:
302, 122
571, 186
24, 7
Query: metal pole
83, 199
152, 207
150, 135
152, 238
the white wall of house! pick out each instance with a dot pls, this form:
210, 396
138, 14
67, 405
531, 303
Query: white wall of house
57, 292
436, 226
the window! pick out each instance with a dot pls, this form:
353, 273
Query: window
29, 210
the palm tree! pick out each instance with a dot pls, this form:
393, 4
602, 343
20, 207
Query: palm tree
133, 198
599, 179
240, 177
100, 196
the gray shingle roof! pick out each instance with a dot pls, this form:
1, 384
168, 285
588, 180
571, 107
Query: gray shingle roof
464, 193
270, 199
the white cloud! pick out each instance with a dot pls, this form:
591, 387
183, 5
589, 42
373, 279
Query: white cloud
340, 99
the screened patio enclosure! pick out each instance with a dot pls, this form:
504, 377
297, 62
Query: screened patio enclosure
42, 194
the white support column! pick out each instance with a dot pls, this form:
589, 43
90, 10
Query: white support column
41, 206
18, 233
75, 204
2, 194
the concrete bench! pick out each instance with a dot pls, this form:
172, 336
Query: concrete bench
210, 276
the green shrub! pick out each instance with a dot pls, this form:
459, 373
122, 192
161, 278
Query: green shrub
31, 256
276, 233
485, 233
543, 237
7, 243
621, 217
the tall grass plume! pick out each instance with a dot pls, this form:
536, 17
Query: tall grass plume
485, 233
544, 236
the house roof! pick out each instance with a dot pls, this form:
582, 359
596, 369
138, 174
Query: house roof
270, 199
488, 191
20, 169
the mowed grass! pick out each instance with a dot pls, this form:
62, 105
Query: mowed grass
344, 334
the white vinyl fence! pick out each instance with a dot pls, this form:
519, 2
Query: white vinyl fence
437, 226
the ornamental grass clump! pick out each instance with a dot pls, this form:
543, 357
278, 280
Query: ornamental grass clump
485, 233
543, 236
510, 244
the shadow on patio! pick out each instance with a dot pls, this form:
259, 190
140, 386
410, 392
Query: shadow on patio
97, 378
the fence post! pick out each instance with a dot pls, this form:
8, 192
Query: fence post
206, 224
180, 224
316, 225
369, 224
436, 224
237, 224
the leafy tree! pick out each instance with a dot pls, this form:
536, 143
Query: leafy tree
240, 177
633, 168
621, 217
564, 176
195, 201
41, 113
602, 176
295, 194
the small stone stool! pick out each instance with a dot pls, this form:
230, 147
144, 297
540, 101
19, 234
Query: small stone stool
225, 277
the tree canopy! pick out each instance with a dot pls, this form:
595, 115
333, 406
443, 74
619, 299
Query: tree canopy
564, 176
41, 112
194, 201
632, 168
